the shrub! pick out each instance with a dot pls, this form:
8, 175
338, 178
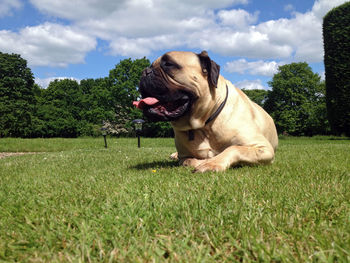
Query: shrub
336, 36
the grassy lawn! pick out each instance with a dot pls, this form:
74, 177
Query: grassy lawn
77, 201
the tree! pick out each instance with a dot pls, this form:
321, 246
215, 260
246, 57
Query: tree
297, 101
336, 36
97, 100
124, 80
17, 98
257, 95
60, 107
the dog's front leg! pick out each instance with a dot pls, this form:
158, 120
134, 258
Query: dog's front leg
234, 155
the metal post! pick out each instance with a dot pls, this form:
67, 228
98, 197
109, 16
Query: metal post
138, 129
104, 137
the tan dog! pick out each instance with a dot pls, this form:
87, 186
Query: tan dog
216, 125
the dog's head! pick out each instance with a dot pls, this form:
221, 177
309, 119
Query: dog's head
176, 83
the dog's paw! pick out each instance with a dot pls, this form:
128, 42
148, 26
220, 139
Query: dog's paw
174, 156
210, 166
192, 162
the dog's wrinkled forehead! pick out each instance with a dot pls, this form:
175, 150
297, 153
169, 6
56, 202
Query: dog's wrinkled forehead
173, 61
177, 58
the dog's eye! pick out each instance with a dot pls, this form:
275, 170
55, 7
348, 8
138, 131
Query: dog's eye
168, 64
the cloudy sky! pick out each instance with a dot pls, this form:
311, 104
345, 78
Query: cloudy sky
85, 38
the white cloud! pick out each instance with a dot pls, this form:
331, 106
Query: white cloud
252, 44
80, 10
322, 75
140, 47
44, 83
250, 84
237, 18
48, 44
260, 67
6, 7
296, 39
321, 7
289, 8
139, 27
135, 18
303, 34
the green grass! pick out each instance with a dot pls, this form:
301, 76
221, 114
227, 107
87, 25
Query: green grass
78, 202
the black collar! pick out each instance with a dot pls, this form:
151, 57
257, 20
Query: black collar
212, 117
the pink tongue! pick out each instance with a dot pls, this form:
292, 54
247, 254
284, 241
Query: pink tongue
147, 101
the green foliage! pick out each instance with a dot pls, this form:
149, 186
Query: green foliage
297, 101
60, 106
97, 100
124, 80
67, 108
17, 98
336, 36
259, 96
158, 129
71, 109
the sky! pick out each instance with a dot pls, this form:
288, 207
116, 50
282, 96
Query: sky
82, 39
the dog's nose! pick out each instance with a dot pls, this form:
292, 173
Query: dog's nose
146, 72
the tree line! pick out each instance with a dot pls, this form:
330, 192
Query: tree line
66, 108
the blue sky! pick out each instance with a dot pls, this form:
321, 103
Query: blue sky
81, 39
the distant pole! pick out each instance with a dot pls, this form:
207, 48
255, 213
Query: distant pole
104, 134
138, 128
104, 137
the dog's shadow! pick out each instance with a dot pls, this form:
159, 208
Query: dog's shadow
168, 164
156, 165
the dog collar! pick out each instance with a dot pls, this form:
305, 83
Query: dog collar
212, 117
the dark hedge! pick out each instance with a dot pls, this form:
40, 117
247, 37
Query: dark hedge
336, 36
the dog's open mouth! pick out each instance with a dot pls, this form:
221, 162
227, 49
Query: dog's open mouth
162, 110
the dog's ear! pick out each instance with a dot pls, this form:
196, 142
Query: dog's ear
210, 68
